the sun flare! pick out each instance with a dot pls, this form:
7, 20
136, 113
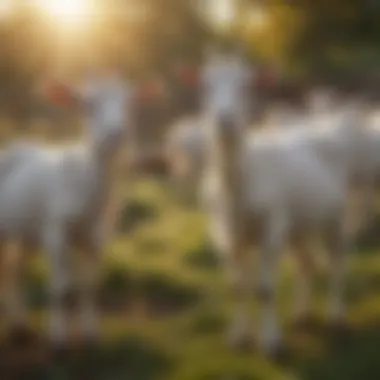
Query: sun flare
5, 7
222, 12
67, 12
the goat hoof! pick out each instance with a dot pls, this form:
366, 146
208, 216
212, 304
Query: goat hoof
307, 323
21, 336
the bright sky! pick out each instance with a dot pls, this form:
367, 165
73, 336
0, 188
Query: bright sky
4, 7
75, 13
221, 11
67, 12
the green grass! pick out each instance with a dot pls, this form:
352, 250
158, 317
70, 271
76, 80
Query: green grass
177, 307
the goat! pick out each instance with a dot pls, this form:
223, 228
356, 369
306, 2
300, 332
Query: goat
270, 190
185, 145
56, 198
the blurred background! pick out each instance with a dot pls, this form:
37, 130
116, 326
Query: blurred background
292, 44
164, 297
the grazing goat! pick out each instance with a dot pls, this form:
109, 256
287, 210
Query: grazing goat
56, 198
270, 191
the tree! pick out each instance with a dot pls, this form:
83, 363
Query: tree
316, 35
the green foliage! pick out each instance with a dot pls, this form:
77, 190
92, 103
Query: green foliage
357, 359
300, 35
369, 239
117, 287
36, 289
134, 213
142, 43
150, 246
180, 334
208, 322
164, 295
203, 256
134, 358
316, 37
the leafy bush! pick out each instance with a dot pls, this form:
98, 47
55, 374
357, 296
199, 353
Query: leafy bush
208, 322
164, 295
36, 289
369, 239
134, 213
133, 358
203, 256
117, 287
150, 245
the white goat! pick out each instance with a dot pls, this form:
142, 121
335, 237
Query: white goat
56, 198
185, 148
270, 191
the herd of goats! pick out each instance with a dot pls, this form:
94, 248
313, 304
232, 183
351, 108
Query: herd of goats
283, 186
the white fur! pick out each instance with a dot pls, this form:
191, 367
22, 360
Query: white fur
186, 144
272, 190
186, 141
56, 198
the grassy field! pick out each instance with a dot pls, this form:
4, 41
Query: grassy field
166, 304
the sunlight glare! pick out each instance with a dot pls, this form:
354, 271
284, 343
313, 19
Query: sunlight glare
257, 17
68, 12
222, 12
5, 7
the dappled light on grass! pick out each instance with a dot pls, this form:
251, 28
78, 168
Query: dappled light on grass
128, 357
203, 257
166, 306
369, 239
134, 214
357, 360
